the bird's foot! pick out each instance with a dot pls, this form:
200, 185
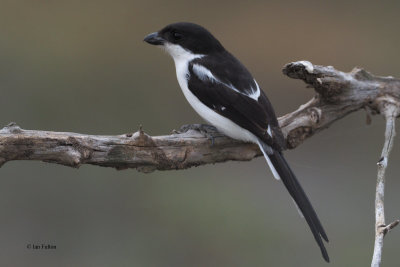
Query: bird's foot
208, 131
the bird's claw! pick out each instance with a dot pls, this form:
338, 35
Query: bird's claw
208, 131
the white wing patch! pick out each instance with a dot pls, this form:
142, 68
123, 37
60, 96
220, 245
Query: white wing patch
256, 93
269, 131
205, 74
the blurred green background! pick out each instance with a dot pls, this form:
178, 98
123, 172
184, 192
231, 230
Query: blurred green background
81, 66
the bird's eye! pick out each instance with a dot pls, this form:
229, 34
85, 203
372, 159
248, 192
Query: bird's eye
177, 36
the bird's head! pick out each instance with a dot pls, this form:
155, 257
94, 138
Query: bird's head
181, 38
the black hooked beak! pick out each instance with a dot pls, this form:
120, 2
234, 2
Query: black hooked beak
154, 39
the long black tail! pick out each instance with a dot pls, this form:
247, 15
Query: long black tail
299, 196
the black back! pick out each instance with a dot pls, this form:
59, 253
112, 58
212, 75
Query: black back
249, 113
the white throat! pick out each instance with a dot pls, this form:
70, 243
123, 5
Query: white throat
178, 53
182, 57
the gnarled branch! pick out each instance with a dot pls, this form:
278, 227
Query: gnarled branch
337, 94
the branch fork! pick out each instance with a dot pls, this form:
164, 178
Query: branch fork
389, 107
337, 94
384, 229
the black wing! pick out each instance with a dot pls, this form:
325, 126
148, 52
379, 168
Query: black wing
229, 95
224, 85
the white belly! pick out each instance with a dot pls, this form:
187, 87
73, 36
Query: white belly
182, 57
224, 125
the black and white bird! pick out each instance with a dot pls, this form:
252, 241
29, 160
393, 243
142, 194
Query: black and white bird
222, 91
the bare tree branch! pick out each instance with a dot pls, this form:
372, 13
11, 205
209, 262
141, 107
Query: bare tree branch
337, 94
390, 109
135, 150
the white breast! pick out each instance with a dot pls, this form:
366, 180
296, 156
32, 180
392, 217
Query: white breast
224, 125
182, 58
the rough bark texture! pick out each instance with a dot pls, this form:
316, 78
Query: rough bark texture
337, 94
390, 110
136, 150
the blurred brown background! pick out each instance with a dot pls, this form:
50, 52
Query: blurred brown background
81, 66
